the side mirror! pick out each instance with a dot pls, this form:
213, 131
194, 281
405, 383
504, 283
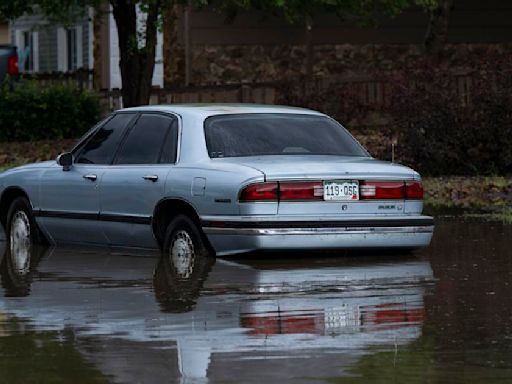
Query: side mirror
65, 160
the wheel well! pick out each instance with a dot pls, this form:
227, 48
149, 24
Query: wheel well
166, 210
8, 196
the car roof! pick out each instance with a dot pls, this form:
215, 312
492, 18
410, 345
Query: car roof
206, 110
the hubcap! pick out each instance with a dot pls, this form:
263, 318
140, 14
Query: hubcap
182, 255
20, 242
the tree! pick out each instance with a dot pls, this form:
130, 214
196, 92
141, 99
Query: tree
137, 61
437, 31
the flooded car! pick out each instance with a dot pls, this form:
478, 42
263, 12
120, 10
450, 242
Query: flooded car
222, 179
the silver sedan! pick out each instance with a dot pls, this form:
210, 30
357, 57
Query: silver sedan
223, 179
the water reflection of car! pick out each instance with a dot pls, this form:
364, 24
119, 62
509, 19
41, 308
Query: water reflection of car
227, 178
226, 307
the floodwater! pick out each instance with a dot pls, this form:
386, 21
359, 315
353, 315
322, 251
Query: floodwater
441, 315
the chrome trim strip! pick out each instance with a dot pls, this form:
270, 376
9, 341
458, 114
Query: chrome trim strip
133, 219
315, 231
325, 218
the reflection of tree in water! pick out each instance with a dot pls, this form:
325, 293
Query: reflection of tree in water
30, 356
177, 294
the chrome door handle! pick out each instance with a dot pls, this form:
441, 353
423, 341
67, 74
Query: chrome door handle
90, 177
152, 178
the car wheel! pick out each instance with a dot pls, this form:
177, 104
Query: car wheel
21, 233
22, 252
183, 267
183, 245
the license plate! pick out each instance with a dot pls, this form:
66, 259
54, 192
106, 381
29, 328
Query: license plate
342, 190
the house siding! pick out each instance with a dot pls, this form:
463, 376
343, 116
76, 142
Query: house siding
85, 44
471, 21
48, 42
47, 50
258, 48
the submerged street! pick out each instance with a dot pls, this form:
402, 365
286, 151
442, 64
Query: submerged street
442, 314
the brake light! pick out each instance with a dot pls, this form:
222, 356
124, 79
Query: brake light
12, 65
414, 190
260, 192
313, 190
284, 191
307, 190
381, 190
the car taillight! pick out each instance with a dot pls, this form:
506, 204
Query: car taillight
303, 190
12, 65
313, 190
381, 190
414, 190
260, 192
283, 191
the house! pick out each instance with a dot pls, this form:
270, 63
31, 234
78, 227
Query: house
45, 47
256, 48
203, 48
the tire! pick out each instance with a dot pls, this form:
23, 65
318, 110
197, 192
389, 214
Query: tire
22, 251
184, 266
183, 243
22, 233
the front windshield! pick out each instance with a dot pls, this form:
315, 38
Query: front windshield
265, 134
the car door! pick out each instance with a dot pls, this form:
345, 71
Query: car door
70, 201
135, 183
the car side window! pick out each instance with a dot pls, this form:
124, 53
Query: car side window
170, 148
85, 137
101, 147
149, 141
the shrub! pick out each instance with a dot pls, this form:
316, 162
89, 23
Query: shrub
443, 131
340, 102
32, 112
448, 121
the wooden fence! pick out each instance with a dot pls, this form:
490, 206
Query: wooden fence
368, 89
241, 93
82, 78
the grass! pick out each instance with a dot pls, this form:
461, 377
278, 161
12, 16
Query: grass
486, 198
504, 216
471, 193
5, 167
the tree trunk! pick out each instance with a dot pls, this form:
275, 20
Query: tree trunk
136, 64
172, 55
437, 32
100, 47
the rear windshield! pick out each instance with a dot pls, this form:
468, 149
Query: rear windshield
265, 134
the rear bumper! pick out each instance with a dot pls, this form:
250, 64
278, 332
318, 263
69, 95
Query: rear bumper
229, 235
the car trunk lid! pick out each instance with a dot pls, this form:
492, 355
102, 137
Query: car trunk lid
326, 168
298, 167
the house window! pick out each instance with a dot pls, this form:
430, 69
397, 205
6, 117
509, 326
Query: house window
69, 48
27, 51
72, 49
